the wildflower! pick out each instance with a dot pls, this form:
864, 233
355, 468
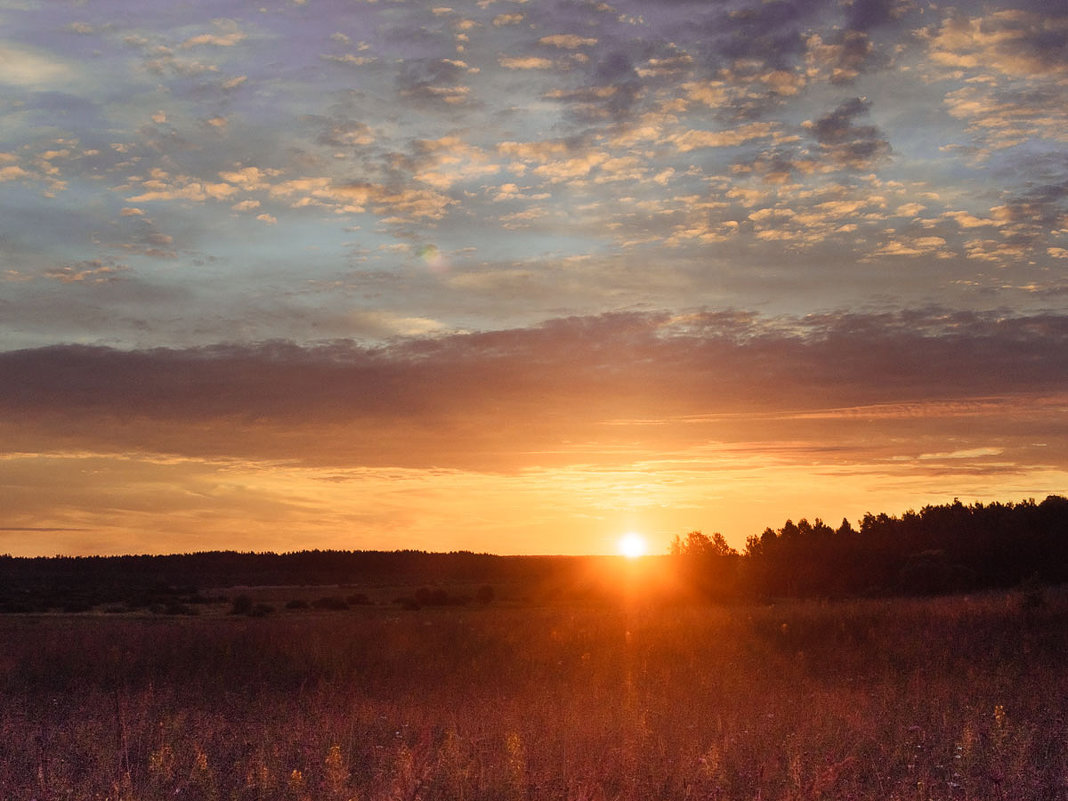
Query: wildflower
296, 780
336, 775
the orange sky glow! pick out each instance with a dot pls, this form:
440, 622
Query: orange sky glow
470, 444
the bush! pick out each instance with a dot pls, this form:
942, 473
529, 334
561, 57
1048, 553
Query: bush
424, 596
334, 603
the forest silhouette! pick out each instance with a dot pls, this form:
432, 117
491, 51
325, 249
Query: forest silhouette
944, 549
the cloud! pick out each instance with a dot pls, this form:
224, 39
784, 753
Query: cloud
567, 41
31, 68
13, 172
845, 144
89, 272
969, 453
449, 160
915, 246
163, 186
350, 59
610, 93
841, 58
1010, 116
1026, 219
541, 151
346, 133
433, 81
471, 400
382, 324
525, 63
216, 40
359, 197
507, 19
770, 33
249, 178
1011, 41
864, 15
578, 166
686, 141
1013, 68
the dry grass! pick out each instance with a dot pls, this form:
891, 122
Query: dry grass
944, 699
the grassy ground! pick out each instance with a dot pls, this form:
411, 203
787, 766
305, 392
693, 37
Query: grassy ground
944, 699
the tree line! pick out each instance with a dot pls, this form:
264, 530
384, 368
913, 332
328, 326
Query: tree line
942, 549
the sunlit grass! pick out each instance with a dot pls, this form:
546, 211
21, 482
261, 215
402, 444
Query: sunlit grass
946, 699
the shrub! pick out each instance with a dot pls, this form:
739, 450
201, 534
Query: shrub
425, 596
333, 603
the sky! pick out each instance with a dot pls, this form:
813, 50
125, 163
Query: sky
520, 277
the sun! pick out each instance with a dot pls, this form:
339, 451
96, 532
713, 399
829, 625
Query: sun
632, 545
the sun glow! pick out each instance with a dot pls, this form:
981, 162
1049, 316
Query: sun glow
632, 545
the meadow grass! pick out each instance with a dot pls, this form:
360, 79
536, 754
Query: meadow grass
955, 698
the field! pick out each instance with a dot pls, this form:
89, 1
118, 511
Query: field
952, 698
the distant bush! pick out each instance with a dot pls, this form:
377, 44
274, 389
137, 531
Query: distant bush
358, 599
297, 603
261, 610
425, 596
334, 603
241, 605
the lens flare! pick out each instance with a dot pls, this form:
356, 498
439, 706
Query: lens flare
433, 258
